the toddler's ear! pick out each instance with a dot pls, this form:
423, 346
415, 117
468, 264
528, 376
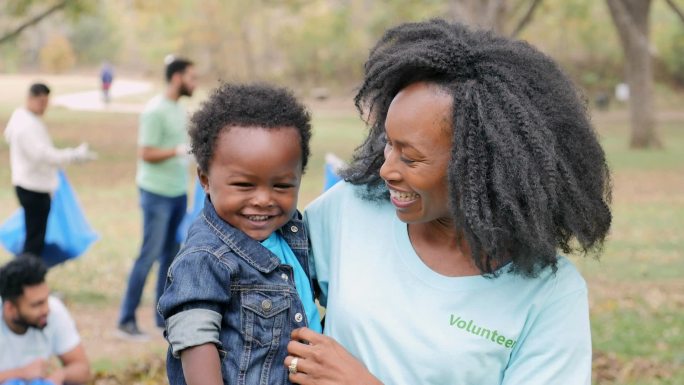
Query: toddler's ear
204, 180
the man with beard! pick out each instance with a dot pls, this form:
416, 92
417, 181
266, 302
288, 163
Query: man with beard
36, 327
162, 179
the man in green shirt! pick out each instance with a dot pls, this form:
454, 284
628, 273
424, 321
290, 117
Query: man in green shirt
162, 178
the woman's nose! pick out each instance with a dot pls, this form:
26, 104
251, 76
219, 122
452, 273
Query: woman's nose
388, 170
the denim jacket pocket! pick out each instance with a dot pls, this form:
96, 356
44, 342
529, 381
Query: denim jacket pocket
263, 316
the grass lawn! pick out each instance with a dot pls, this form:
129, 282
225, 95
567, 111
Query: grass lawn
636, 289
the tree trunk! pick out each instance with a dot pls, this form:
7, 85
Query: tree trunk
526, 19
676, 9
631, 21
496, 15
32, 21
487, 14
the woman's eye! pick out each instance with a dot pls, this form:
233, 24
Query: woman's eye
407, 160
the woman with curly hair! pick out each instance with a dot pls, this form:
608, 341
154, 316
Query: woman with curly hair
438, 258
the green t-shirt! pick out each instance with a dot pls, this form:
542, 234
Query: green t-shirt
162, 125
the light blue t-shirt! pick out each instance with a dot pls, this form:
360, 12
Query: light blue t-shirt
410, 325
277, 245
57, 338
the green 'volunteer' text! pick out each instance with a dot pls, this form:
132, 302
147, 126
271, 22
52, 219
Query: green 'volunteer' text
490, 335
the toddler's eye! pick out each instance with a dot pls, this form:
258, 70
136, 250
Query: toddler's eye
241, 184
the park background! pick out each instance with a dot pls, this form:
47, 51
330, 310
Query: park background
318, 47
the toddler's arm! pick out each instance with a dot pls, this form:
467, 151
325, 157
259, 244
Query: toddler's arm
193, 310
201, 365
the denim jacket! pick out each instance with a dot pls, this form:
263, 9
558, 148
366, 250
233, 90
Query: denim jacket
226, 288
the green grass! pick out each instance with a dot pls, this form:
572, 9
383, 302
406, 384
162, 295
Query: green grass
641, 332
621, 157
646, 243
636, 289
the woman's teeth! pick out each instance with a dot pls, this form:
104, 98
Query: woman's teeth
403, 196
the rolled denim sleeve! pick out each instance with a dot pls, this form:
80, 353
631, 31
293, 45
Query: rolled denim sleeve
193, 327
195, 297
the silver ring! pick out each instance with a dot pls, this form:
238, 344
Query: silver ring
293, 366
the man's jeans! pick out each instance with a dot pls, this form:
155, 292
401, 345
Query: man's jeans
161, 218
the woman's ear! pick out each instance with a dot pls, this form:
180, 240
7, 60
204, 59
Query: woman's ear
204, 180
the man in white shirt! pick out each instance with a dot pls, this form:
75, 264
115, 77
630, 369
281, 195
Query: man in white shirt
34, 162
34, 327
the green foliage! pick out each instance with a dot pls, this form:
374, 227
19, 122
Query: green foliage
400, 11
673, 55
73, 8
161, 22
20, 7
581, 37
324, 47
9, 58
328, 44
315, 42
57, 55
95, 37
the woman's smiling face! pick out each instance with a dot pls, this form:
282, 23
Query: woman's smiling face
418, 151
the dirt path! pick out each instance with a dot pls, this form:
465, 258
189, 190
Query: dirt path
93, 101
97, 326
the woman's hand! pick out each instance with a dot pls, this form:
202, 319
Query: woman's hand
323, 361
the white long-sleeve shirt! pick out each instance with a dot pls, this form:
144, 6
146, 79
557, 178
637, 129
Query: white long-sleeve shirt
33, 158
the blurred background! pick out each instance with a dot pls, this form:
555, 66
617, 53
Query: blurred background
626, 56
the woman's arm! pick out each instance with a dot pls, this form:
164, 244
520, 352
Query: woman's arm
202, 365
323, 361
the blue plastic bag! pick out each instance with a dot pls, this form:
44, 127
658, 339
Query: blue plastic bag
35, 381
193, 212
68, 233
332, 166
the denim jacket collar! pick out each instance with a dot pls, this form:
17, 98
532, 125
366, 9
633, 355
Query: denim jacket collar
240, 242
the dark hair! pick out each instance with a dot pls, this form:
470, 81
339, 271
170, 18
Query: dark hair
24, 270
246, 105
527, 175
176, 65
38, 89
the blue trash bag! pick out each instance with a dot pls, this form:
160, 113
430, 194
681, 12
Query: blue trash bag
193, 212
35, 381
68, 233
333, 165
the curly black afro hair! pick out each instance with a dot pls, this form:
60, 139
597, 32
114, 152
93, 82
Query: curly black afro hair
527, 174
246, 105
